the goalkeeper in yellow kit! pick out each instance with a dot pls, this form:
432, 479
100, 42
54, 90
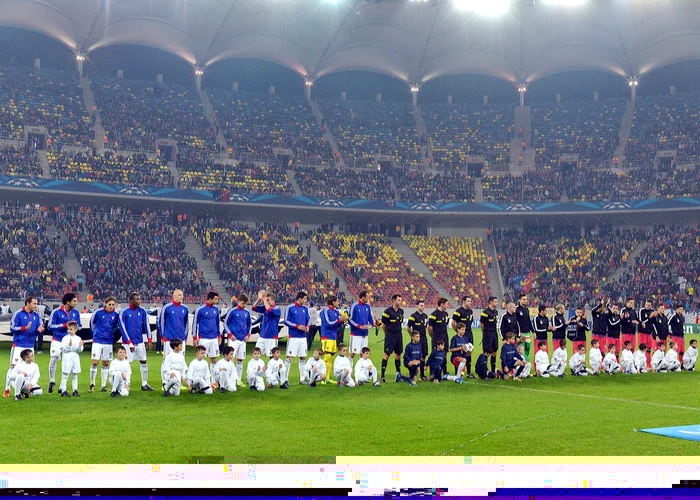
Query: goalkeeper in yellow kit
331, 321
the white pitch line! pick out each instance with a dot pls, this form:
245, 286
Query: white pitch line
590, 396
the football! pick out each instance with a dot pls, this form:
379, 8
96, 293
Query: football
469, 347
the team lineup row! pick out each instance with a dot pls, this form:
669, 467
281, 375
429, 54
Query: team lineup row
515, 328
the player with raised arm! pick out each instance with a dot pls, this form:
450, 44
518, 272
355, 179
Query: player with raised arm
271, 314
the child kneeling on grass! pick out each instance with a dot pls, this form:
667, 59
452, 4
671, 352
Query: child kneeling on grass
120, 374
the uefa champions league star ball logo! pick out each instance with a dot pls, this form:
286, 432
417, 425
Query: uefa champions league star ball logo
238, 197
331, 203
134, 191
518, 208
23, 183
617, 205
424, 207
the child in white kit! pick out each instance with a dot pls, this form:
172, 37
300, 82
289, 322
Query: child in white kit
542, 360
342, 368
658, 359
559, 360
316, 369
595, 358
610, 364
198, 374
25, 376
640, 358
577, 363
256, 371
276, 374
173, 369
225, 373
71, 346
672, 358
690, 358
120, 374
365, 370
627, 359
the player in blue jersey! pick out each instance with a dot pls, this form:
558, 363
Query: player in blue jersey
103, 324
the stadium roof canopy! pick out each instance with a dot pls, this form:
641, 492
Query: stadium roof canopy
414, 41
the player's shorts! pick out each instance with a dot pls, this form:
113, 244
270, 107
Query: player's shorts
576, 343
297, 348
424, 346
393, 342
139, 353
238, 348
536, 345
490, 343
614, 341
55, 349
212, 346
167, 349
15, 353
357, 343
266, 345
681, 346
632, 338
330, 346
601, 341
101, 351
71, 363
645, 338
456, 361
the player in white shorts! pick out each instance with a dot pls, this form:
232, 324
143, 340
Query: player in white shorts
103, 324
237, 327
298, 322
271, 314
207, 323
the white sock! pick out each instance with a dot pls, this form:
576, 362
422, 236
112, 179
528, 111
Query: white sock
75, 382
105, 376
287, 365
19, 383
144, 374
450, 377
302, 369
171, 383
239, 368
460, 368
93, 374
64, 382
7, 379
52, 369
115, 382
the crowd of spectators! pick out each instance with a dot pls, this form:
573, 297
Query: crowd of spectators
363, 129
460, 130
539, 185
588, 184
122, 254
110, 168
680, 183
344, 183
563, 266
586, 128
439, 186
31, 261
264, 257
244, 177
43, 98
20, 161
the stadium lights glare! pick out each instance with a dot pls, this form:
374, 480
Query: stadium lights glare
198, 72
633, 82
414, 88
490, 8
309, 83
80, 57
564, 3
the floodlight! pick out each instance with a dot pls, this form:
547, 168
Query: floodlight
80, 57
564, 3
491, 8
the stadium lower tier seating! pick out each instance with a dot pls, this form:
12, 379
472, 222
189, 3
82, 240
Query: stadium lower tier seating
30, 260
123, 255
458, 264
585, 184
369, 262
20, 161
680, 183
441, 186
265, 257
241, 178
562, 266
136, 170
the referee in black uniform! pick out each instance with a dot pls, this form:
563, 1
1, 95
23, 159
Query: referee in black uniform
465, 315
437, 327
392, 324
418, 322
489, 322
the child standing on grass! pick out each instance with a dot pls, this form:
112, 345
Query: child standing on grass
173, 369
256, 371
690, 358
610, 364
120, 374
225, 373
364, 369
672, 358
316, 369
627, 359
342, 368
640, 358
595, 358
577, 363
198, 373
542, 360
71, 346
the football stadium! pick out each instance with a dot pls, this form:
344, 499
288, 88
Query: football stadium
281, 231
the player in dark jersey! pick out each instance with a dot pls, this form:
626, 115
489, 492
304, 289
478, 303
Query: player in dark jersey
465, 315
489, 323
522, 312
418, 322
437, 326
392, 324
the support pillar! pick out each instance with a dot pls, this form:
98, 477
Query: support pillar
633, 88
521, 90
309, 84
414, 95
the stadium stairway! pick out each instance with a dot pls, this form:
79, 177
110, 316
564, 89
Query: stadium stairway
630, 260
193, 248
418, 266
71, 264
209, 113
325, 265
293, 182
478, 190
625, 131
44, 162
422, 130
172, 167
328, 135
495, 276
89, 102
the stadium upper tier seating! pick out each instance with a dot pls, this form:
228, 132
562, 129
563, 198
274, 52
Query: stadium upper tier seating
256, 123
241, 178
586, 184
48, 98
565, 268
461, 130
265, 257
680, 183
665, 123
369, 262
19, 161
441, 186
136, 170
344, 183
458, 264
666, 269
363, 129
135, 113
534, 186
38, 266
123, 255
587, 128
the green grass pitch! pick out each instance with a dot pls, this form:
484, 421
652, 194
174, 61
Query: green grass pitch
544, 417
